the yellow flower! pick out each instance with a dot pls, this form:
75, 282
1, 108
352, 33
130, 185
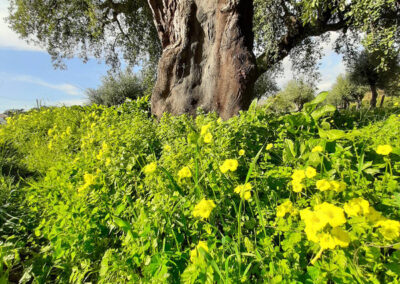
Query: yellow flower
331, 214
374, 216
269, 146
390, 229
396, 104
297, 186
229, 165
310, 172
184, 173
203, 209
341, 237
313, 221
317, 149
195, 253
285, 207
204, 129
356, 207
323, 185
337, 186
384, 150
167, 148
326, 241
89, 180
244, 190
150, 168
298, 175
208, 138
241, 152
99, 156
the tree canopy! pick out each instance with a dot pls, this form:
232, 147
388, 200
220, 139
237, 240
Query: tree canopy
346, 91
109, 28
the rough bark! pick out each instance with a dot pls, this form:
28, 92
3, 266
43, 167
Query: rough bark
207, 58
374, 95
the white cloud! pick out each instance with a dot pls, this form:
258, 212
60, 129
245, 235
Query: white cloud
78, 102
65, 88
8, 38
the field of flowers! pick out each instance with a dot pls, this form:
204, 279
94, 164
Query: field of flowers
111, 195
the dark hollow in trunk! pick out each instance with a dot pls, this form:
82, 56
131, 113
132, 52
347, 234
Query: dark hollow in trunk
207, 58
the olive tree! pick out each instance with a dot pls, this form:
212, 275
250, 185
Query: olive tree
209, 53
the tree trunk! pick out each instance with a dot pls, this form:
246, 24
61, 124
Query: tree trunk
382, 100
374, 95
207, 58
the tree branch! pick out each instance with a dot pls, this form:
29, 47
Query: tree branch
297, 32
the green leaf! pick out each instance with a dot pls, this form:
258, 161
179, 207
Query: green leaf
332, 134
124, 225
325, 110
309, 107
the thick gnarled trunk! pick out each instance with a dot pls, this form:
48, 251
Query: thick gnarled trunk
207, 58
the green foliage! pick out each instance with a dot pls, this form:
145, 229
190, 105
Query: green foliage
364, 69
344, 92
294, 95
103, 29
116, 88
265, 86
109, 202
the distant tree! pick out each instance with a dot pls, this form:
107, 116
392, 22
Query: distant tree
265, 86
364, 69
393, 88
345, 91
297, 92
12, 112
116, 88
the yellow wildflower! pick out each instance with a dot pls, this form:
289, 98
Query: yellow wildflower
269, 146
297, 186
244, 190
331, 214
204, 129
167, 148
323, 185
326, 241
208, 138
356, 207
390, 229
337, 186
384, 150
313, 221
374, 216
150, 168
317, 149
184, 173
89, 180
285, 207
241, 152
229, 165
310, 172
203, 209
195, 253
396, 104
341, 237
298, 175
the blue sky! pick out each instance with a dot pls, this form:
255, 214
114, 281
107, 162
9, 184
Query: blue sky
27, 74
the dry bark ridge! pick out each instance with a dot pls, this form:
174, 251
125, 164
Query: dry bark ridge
207, 58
